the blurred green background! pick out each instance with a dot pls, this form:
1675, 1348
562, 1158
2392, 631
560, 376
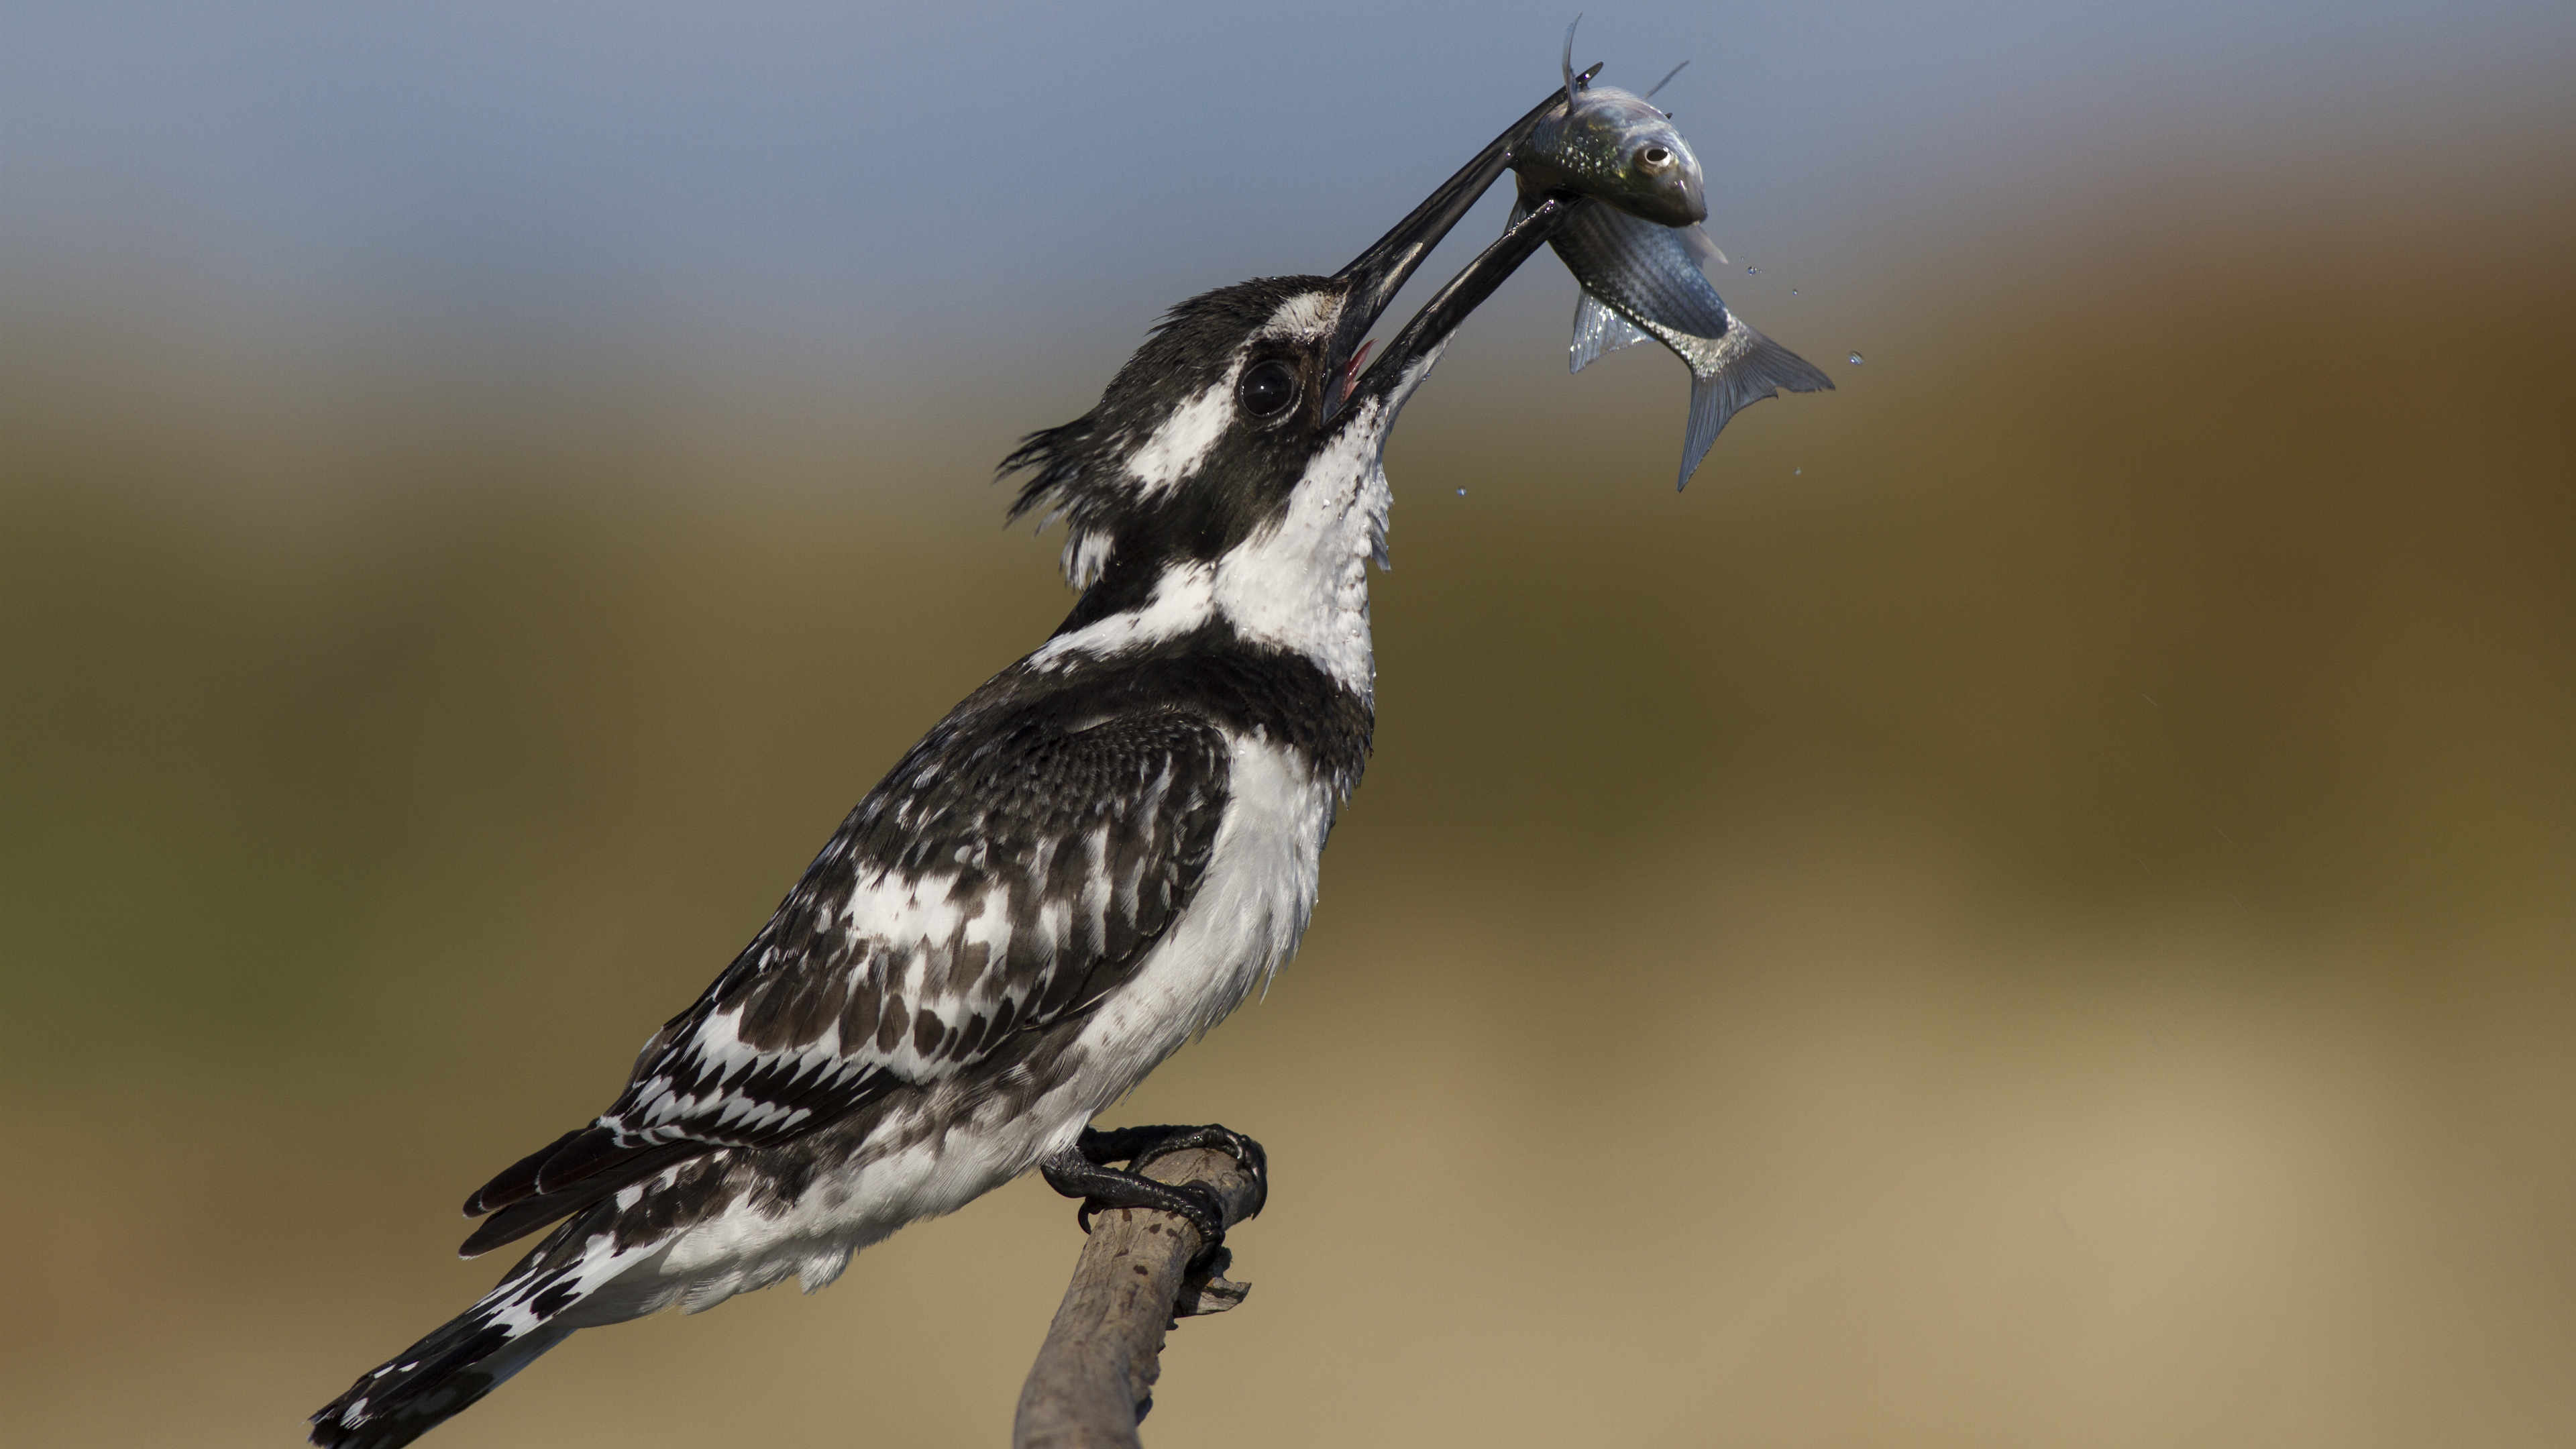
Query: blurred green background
2031, 906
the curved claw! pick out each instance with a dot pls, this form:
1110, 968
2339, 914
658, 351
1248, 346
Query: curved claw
1209, 1220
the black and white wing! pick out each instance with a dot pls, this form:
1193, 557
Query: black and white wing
1001, 879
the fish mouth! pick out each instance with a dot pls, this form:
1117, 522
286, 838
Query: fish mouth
1691, 200
1370, 282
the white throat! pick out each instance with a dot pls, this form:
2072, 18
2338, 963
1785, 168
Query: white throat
1302, 584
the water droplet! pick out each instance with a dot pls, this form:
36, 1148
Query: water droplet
1855, 359
1752, 271
1793, 291
1462, 492
1794, 472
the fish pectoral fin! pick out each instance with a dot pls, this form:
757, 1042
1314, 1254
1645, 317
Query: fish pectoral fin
1702, 247
1597, 330
1755, 368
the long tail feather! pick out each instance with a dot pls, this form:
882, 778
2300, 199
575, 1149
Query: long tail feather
536, 1305
432, 1381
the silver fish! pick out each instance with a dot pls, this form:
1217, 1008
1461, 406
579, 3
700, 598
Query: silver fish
1638, 257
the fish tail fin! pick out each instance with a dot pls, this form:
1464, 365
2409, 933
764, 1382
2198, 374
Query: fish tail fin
1758, 369
1598, 330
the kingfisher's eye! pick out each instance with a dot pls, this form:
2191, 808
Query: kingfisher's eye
1267, 389
1655, 160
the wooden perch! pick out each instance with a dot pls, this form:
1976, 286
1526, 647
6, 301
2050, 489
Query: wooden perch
1094, 1379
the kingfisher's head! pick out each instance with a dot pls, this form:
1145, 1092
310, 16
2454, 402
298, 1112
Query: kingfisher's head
1241, 448
1202, 437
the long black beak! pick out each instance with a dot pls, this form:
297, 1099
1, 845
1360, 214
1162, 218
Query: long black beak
1376, 275
1422, 337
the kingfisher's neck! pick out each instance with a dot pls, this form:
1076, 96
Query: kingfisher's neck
1258, 600
1297, 584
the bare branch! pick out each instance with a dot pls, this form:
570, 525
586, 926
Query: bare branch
1094, 1379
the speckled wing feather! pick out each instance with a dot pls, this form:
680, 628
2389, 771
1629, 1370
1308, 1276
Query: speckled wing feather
1007, 874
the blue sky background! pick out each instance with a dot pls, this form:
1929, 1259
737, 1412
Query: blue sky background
986, 184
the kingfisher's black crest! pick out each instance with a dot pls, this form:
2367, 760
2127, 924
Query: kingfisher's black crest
1111, 474
1191, 347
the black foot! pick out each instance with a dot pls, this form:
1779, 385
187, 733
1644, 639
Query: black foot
1083, 1171
1137, 1146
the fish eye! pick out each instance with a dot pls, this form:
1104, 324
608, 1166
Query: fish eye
1655, 160
1267, 389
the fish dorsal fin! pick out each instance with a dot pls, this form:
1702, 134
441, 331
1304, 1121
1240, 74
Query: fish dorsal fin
1576, 80
1598, 330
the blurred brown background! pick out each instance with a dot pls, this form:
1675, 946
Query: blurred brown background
2031, 906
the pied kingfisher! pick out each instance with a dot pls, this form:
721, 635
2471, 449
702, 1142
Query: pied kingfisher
1094, 858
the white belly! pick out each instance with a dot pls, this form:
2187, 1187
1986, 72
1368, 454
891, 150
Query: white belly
1250, 910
